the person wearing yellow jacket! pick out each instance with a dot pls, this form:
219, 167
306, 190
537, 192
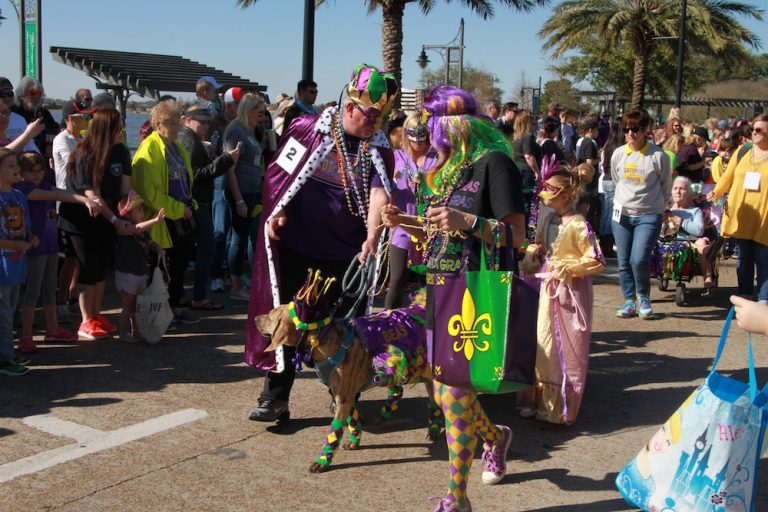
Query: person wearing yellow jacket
162, 176
745, 217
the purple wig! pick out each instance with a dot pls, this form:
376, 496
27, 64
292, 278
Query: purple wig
458, 132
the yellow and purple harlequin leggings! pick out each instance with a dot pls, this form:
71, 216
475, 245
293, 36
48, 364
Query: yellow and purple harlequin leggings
465, 420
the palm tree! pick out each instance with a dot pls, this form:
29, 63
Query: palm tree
643, 24
392, 16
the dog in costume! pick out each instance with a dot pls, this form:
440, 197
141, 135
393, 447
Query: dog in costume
384, 349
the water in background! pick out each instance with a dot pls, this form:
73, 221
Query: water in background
133, 123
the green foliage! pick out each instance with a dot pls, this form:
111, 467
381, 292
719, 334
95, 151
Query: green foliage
641, 30
479, 81
562, 92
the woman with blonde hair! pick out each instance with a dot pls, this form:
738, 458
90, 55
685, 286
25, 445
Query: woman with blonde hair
412, 160
162, 176
244, 188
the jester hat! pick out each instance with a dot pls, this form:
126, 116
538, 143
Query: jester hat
311, 308
370, 88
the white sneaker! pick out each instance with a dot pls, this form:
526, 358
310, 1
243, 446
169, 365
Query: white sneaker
217, 285
527, 412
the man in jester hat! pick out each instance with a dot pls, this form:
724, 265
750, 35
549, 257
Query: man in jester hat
322, 196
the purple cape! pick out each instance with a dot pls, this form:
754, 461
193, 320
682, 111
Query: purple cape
279, 187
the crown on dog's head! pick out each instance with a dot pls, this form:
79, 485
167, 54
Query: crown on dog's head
310, 308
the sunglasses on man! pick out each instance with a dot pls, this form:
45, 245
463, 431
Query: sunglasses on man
633, 129
371, 114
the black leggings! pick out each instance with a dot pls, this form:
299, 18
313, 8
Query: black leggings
398, 277
178, 257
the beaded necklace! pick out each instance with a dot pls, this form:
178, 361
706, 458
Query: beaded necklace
434, 235
347, 171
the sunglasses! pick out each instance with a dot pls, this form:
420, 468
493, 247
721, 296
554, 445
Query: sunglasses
759, 131
34, 92
6, 94
371, 114
312, 91
633, 129
87, 99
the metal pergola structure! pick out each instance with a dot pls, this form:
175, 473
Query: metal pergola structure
145, 74
608, 101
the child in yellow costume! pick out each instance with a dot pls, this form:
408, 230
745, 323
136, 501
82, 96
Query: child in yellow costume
567, 252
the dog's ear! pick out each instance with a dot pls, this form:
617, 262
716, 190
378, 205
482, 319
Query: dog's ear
278, 326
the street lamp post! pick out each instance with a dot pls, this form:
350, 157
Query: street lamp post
307, 68
680, 56
423, 60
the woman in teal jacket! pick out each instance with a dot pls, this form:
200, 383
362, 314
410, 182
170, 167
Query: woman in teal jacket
162, 176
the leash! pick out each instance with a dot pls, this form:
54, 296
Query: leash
354, 285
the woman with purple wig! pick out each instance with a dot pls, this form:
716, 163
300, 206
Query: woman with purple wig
473, 187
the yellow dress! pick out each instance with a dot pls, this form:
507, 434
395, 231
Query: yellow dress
564, 320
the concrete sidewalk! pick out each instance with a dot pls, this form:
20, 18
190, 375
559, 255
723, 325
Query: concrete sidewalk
111, 426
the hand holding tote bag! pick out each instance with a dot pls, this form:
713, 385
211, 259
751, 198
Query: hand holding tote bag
153, 313
484, 331
704, 458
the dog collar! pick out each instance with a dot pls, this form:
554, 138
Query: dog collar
306, 326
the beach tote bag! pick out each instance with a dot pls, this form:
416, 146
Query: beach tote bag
705, 457
484, 330
153, 313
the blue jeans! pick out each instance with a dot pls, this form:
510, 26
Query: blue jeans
243, 236
635, 237
606, 228
752, 254
221, 225
206, 250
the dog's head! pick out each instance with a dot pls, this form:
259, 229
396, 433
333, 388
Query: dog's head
278, 327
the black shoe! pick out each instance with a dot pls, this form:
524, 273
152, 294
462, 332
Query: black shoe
270, 410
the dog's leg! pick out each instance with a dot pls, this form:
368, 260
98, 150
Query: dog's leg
355, 430
332, 441
394, 394
335, 434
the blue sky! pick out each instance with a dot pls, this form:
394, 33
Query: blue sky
264, 43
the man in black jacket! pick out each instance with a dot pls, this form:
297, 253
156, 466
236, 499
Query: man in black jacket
303, 102
196, 122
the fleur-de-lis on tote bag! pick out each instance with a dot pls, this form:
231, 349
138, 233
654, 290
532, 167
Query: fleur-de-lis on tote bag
466, 326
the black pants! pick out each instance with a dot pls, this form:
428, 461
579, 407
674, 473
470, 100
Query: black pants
177, 258
293, 275
399, 275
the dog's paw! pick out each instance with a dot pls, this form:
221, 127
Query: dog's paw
316, 467
349, 445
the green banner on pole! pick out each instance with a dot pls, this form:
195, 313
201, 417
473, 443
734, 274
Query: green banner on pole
30, 49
